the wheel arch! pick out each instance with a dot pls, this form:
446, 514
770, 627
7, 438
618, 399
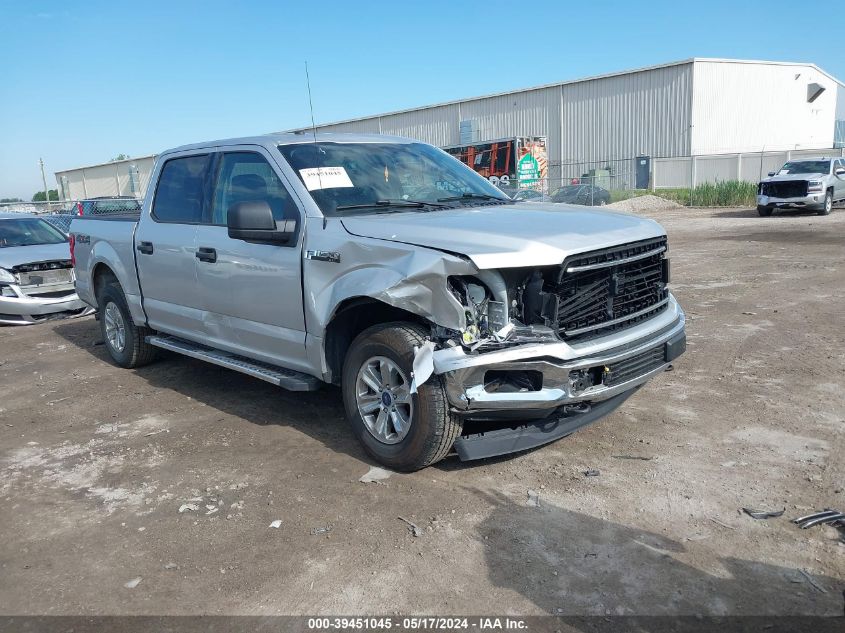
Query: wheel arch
353, 316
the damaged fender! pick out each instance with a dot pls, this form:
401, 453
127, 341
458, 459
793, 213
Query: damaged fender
409, 278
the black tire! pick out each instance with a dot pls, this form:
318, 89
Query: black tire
433, 428
136, 351
764, 211
828, 203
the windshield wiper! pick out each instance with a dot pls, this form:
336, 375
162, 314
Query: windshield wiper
472, 196
395, 204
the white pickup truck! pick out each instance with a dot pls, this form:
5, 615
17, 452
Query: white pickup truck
453, 317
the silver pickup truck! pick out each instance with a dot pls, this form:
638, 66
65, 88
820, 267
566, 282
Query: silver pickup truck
453, 317
808, 183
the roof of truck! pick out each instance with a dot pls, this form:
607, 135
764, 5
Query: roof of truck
287, 138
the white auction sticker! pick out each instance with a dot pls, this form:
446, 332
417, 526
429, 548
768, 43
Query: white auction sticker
325, 178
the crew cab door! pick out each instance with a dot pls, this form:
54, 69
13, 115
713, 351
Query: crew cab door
165, 243
252, 292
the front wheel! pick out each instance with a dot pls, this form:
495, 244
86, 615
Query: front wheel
401, 430
764, 211
828, 203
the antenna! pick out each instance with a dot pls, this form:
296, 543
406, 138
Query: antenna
310, 104
314, 131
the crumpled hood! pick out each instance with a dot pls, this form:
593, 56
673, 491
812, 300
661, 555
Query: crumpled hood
789, 177
12, 256
508, 236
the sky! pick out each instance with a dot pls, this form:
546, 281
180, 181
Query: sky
81, 82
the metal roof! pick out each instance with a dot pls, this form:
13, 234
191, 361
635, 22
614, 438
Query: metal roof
619, 73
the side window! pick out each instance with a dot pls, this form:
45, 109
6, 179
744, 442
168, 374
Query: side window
248, 177
179, 194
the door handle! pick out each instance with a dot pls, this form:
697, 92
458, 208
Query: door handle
205, 254
146, 248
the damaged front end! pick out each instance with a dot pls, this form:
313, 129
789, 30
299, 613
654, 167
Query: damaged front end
558, 344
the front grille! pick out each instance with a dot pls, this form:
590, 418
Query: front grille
785, 189
46, 277
59, 264
608, 290
630, 368
48, 295
35, 274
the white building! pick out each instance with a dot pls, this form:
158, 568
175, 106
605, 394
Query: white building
712, 109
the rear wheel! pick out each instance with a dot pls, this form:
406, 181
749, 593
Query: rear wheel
764, 211
828, 203
401, 430
125, 341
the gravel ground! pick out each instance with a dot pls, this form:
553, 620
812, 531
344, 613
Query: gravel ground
153, 491
644, 204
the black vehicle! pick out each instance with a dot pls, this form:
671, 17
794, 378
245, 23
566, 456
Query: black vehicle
588, 195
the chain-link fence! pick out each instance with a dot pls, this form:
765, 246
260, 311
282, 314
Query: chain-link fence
61, 213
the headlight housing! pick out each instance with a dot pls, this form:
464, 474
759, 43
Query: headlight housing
814, 185
6, 277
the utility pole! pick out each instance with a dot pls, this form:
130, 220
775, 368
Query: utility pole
44, 181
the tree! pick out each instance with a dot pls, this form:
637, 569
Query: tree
13, 199
119, 157
39, 196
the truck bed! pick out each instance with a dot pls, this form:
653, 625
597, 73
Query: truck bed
101, 239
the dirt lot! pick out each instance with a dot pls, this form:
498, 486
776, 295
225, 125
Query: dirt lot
97, 461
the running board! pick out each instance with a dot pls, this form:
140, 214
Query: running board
279, 376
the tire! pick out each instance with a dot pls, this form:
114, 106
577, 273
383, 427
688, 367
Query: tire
114, 318
764, 211
828, 203
431, 428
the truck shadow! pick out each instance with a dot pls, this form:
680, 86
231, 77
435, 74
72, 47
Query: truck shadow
318, 414
570, 563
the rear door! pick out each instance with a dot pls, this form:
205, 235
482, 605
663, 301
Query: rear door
252, 292
165, 243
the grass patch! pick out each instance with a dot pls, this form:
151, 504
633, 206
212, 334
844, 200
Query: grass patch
729, 193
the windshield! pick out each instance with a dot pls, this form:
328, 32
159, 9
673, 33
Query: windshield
28, 232
805, 167
347, 178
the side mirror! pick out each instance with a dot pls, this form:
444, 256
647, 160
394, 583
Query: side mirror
839, 171
771, 173
254, 222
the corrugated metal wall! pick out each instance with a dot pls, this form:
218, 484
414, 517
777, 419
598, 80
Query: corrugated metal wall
753, 107
119, 178
641, 113
603, 119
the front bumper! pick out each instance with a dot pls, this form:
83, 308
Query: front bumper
810, 201
25, 309
562, 374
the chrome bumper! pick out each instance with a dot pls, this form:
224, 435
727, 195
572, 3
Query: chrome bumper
24, 309
464, 375
810, 200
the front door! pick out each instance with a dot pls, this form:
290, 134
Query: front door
252, 292
838, 181
165, 246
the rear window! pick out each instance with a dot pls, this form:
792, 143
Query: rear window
179, 194
115, 207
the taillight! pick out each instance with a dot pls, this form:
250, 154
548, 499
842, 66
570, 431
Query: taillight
78, 208
72, 241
